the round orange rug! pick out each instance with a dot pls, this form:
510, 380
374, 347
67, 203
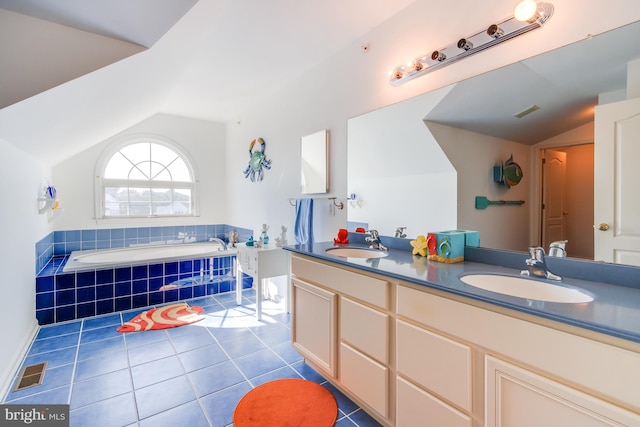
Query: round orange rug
289, 402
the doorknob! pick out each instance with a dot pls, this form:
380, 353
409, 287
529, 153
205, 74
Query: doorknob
603, 226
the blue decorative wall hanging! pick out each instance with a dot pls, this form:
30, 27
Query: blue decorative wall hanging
257, 161
509, 173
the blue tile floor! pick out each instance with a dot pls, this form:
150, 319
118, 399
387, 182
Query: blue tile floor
191, 375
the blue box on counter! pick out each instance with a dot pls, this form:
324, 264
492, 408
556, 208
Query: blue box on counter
471, 238
448, 246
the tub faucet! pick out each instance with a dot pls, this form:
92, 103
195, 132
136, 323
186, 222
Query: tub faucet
375, 241
220, 241
537, 266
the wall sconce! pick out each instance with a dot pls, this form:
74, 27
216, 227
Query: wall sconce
528, 16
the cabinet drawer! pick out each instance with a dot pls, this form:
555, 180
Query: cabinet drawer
366, 378
369, 289
416, 407
365, 328
439, 364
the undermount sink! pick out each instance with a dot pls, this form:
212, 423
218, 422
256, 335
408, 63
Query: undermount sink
526, 288
356, 252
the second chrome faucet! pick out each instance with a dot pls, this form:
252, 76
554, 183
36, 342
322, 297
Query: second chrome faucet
537, 265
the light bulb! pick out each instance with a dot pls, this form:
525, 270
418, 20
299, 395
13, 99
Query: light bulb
526, 10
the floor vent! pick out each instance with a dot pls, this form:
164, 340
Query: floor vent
31, 376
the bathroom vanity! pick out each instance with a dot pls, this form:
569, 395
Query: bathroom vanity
413, 345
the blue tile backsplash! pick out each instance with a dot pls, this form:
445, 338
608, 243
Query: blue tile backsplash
66, 296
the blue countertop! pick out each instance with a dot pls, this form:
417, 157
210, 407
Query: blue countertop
615, 310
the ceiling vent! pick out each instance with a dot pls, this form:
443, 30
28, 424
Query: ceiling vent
526, 111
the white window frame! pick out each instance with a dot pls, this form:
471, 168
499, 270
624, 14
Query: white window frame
101, 183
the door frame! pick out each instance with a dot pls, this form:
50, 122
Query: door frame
535, 192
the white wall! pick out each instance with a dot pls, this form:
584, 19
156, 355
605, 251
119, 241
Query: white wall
22, 180
352, 83
204, 141
398, 171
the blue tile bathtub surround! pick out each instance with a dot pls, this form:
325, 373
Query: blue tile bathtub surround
69, 296
62, 243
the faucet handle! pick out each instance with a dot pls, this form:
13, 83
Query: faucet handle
536, 252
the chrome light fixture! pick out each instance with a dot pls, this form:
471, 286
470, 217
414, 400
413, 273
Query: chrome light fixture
528, 16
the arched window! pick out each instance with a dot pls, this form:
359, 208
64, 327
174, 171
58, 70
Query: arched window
146, 178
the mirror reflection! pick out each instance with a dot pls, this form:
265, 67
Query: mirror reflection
313, 157
421, 163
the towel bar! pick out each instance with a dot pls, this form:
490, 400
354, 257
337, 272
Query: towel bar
339, 205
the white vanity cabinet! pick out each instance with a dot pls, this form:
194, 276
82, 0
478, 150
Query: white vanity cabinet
533, 375
341, 325
519, 397
413, 356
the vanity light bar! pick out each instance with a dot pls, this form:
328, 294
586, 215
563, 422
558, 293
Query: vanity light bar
467, 46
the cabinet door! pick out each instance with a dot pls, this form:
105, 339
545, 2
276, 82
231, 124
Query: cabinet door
520, 398
366, 378
314, 325
416, 407
365, 329
437, 363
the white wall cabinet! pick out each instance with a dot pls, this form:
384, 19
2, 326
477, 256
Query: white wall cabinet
414, 358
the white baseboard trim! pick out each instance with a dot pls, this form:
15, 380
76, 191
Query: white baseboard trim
7, 376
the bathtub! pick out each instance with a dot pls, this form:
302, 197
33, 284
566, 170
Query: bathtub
134, 255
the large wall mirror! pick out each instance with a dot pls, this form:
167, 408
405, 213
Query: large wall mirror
421, 162
314, 155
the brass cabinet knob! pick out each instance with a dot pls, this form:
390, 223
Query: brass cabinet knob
603, 227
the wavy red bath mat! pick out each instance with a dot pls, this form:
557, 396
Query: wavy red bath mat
165, 317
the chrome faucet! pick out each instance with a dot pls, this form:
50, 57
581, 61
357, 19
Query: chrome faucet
220, 241
375, 241
537, 266
400, 232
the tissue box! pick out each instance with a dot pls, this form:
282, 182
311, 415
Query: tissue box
449, 246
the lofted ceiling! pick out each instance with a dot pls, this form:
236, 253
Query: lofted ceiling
205, 59
77, 72
45, 43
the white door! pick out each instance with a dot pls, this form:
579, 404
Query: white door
616, 176
553, 199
